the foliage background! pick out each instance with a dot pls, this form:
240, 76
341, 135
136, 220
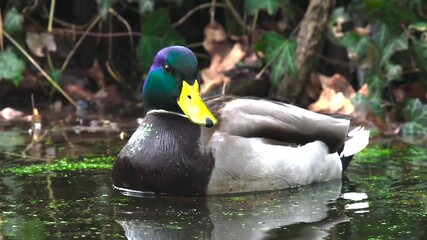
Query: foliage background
92, 47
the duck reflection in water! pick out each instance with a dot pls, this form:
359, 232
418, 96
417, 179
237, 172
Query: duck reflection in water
297, 213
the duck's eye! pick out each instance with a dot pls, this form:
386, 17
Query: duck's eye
167, 68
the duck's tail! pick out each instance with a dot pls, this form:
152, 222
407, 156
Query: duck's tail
357, 140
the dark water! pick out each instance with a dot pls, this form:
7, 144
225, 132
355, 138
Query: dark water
384, 196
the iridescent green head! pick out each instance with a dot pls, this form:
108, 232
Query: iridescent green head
172, 85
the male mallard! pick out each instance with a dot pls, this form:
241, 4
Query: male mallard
255, 145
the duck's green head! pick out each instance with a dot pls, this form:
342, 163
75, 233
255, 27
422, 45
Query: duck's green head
172, 85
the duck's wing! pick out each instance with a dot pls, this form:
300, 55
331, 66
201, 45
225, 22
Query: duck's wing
278, 121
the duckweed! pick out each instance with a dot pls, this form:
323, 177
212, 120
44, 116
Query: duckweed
67, 164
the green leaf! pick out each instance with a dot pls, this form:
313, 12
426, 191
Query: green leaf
375, 85
359, 99
374, 102
13, 21
103, 6
420, 53
157, 34
393, 71
390, 12
11, 66
381, 34
157, 22
413, 129
419, 26
56, 75
416, 111
281, 53
271, 6
393, 46
338, 16
144, 6
356, 44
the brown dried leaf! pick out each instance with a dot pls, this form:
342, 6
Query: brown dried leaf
214, 75
335, 97
362, 31
215, 37
37, 42
10, 114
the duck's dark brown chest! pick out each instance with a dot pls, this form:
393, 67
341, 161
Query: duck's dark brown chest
163, 156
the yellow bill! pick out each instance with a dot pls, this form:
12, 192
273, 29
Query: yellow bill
193, 106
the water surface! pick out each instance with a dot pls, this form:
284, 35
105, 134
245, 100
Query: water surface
69, 195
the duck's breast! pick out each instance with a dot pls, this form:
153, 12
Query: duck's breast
162, 157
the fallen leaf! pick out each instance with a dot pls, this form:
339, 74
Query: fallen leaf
215, 40
37, 42
215, 74
96, 73
335, 97
10, 114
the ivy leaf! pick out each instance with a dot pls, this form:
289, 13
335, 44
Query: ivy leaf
144, 6
413, 129
356, 44
155, 25
386, 42
104, 6
395, 45
420, 53
359, 99
271, 6
375, 85
373, 102
11, 66
393, 71
416, 112
336, 23
13, 21
56, 75
419, 26
390, 12
381, 35
157, 34
280, 53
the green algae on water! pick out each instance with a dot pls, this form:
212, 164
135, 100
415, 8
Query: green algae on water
67, 164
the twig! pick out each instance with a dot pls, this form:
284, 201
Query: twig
262, 71
49, 30
212, 11
254, 21
192, 11
31, 144
193, 45
95, 21
33, 105
52, 10
1, 32
235, 13
62, 31
42, 71
128, 27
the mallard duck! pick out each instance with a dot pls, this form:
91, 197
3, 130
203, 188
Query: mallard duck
186, 146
